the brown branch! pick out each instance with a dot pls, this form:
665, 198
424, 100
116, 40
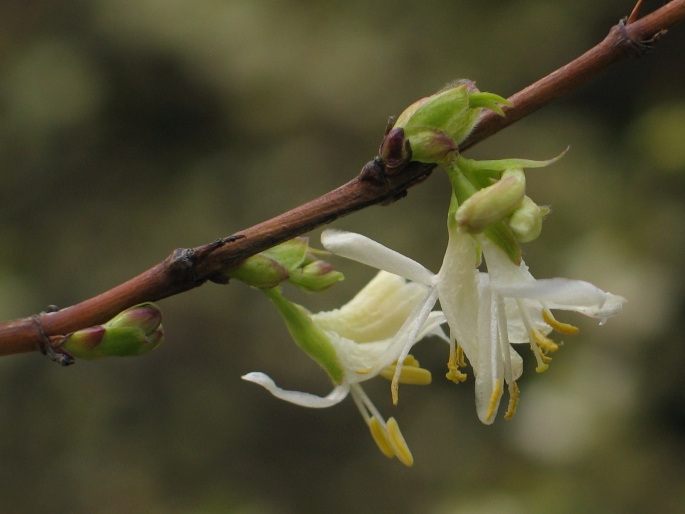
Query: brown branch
186, 269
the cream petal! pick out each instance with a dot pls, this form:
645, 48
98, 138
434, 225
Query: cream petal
406, 337
458, 288
567, 294
297, 397
367, 251
377, 312
489, 371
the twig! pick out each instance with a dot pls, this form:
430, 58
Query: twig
186, 269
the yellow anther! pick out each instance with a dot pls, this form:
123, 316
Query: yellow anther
456, 361
460, 357
380, 435
562, 328
410, 360
494, 399
455, 375
409, 375
541, 368
544, 342
513, 400
398, 443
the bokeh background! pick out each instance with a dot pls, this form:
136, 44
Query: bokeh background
130, 128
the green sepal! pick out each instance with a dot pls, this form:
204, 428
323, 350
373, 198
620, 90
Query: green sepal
489, 101
493, 167
307, 335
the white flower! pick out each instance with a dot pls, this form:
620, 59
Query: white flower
486, 312
363, 339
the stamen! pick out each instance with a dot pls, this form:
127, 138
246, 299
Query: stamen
399, 445
411, 361
380, 435
460, 357
544, 342
456, 360
542, 366
513, 400
373, 420
494, 399
562, 328
408, 375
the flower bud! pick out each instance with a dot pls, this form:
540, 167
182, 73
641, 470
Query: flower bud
437, 124
526, 221
293, 261
290, 254
492, 204
133, 332
316, 276
261, 272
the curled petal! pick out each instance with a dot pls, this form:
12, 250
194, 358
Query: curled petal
367, 251
298, 397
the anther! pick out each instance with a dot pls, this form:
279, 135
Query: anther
380, 435
513, 400
399, 445
562, 328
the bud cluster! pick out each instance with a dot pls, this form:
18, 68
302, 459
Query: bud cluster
293, 261
490, 195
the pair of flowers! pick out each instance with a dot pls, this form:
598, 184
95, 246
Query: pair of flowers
486, 313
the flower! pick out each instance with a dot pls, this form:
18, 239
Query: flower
486, 312
370, 335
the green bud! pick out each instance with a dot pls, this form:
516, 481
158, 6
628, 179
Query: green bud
492, 204
293, 261
437, 124
308, 336
290, 254
261, 272
316, 276
133, 332
526, 221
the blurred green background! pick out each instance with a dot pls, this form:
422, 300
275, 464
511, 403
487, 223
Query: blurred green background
128, 129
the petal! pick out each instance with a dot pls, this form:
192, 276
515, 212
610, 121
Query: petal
297, 397
377, 311
458, 287
501, 270
367, 251
405, 338
489, 371
567, 294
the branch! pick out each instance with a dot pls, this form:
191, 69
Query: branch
186, 269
